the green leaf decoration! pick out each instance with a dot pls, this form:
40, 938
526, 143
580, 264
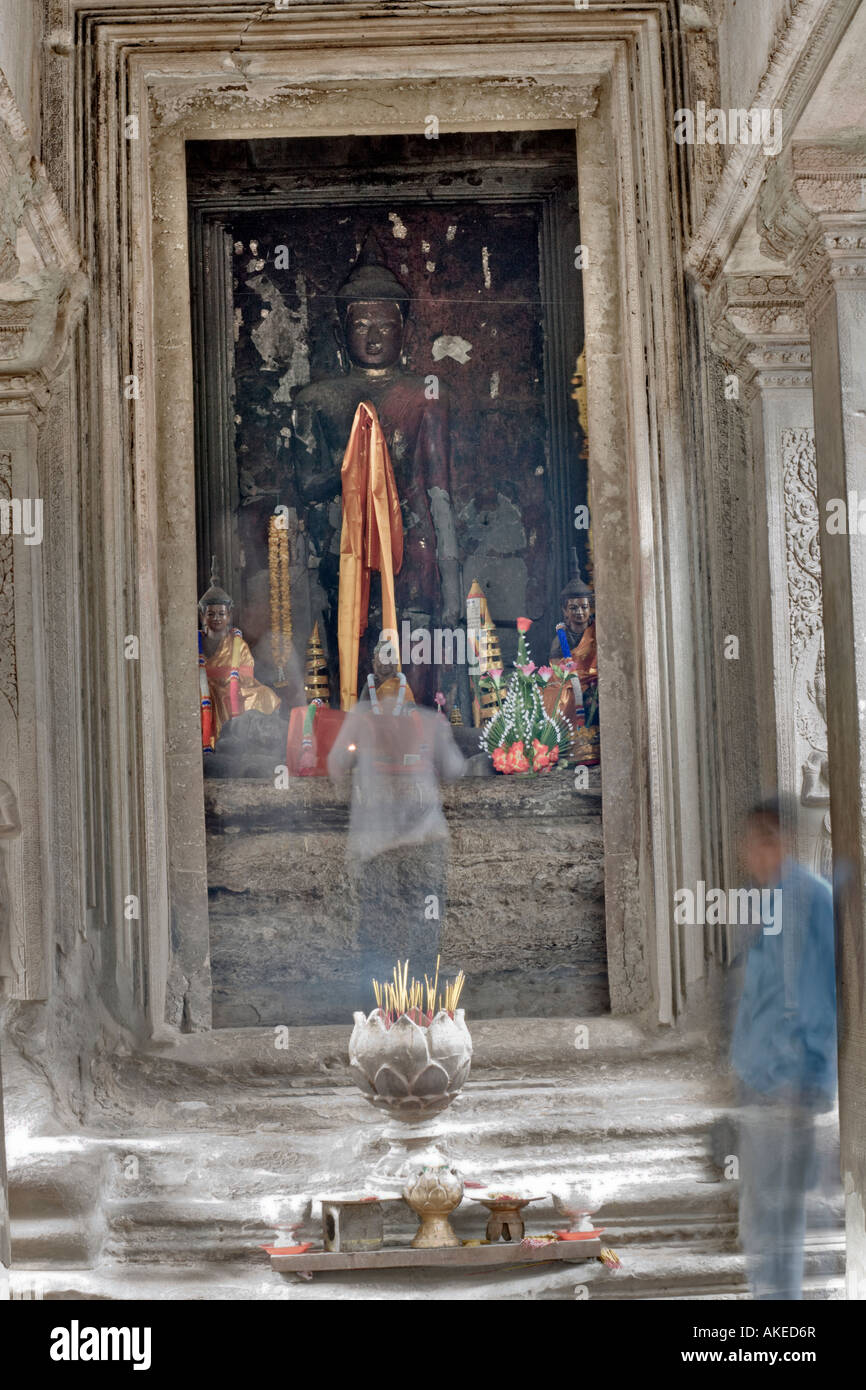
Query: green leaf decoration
522, 718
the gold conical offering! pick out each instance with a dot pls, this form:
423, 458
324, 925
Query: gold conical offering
480, 627
316, 684
476, 606
492, 654
281, 597
488, 702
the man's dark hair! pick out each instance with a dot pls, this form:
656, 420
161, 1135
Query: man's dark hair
777, 813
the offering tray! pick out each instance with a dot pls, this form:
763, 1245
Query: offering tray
399, 1256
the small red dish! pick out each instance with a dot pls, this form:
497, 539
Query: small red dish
579, 1235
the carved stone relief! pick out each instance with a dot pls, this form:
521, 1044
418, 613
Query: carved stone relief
803, 565
42, 285
801, 537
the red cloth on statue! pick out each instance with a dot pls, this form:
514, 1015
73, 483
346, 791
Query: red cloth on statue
326, 726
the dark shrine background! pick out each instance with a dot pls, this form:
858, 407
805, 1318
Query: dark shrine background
482, 230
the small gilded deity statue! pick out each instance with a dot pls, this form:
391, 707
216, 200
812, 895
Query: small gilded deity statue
574, 646
386, 682
578, 613
227, 685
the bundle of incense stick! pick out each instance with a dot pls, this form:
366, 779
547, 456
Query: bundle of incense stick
400, 995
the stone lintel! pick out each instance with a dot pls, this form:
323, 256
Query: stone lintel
830, 182
802, 49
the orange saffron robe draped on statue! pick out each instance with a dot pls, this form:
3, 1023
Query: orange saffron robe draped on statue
586, 657
371, 539
219, 667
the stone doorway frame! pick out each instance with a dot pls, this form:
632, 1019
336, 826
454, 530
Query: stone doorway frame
601, 72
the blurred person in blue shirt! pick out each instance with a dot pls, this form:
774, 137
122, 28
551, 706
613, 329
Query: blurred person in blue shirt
783, 1051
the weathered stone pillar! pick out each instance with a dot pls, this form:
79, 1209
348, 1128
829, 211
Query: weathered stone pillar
41, 291
832, 185
5, 1249
790, 624
603, 291
783, 439
759, 328
5, 1245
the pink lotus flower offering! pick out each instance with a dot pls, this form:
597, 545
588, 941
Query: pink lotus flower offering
522, 737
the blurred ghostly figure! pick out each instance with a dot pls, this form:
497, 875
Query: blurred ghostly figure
398, 837
783, 1053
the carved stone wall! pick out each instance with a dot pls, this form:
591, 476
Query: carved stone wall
41, 293
20, 32
749, 36
803, 40
249, 92
781, 254
731, 752
802, 545
686, 552
214, 93
805, 607
9, 730
156, 838
8, 669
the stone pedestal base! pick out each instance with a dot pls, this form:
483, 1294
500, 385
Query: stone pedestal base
286, 921
410, 1148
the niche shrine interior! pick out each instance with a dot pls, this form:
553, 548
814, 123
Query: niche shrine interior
481, 233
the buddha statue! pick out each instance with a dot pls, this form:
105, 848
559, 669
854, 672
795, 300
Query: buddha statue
578, 616
372, 308
226, 666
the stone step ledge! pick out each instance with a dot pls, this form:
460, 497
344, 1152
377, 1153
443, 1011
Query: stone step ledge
526, 1045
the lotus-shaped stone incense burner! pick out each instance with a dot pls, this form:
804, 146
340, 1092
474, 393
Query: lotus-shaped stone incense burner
411, 1070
